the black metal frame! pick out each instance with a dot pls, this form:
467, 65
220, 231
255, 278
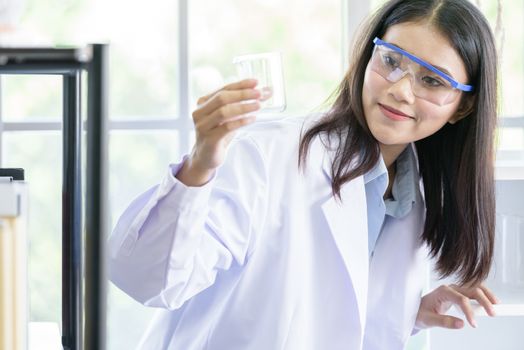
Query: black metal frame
70, 63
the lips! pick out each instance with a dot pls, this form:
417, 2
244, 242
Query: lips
393, 113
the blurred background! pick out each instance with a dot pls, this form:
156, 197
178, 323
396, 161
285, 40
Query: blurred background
164, 54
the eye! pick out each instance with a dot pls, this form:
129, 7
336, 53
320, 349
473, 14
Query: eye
390, 61
432, 82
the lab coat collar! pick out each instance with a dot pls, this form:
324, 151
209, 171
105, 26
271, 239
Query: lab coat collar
379, 169
348, 224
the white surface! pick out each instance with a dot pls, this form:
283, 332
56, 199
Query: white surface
492, 333
44, 336
10, 192
500, 310
509, 172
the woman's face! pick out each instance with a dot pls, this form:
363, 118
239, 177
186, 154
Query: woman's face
382, 98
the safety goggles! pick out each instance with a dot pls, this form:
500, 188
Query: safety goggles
427, 82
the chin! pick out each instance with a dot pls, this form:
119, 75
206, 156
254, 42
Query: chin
387, 136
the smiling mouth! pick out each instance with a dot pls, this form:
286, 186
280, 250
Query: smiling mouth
395, 111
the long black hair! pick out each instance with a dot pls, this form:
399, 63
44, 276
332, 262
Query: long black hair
457, 162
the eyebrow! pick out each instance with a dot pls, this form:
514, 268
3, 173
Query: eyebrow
443, 70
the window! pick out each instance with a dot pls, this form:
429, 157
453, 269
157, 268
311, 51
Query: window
307, 33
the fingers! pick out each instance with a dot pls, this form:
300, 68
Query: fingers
461, 301
483, 300
481, 294
238, 85
435, 304
444, 321
492, 298
223, 98
231, 126
225, 114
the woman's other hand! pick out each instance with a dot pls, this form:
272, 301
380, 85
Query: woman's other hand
216, 119
435, 304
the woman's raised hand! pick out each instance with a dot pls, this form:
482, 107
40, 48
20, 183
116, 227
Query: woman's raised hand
216, 119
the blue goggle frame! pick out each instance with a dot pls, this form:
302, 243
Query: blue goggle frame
455, 84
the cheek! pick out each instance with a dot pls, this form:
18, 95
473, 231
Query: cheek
431, 119
435, 115
373, 89
374, 85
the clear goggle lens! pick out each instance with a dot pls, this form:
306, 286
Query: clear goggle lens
426, 84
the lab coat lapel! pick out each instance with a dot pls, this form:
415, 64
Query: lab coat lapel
348, 224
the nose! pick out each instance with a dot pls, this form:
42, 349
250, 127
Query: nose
402, 90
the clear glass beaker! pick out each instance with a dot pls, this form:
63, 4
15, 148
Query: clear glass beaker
267, 69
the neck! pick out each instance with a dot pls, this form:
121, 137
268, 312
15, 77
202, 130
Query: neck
390, 154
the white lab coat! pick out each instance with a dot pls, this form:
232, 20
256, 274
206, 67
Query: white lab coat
264, 257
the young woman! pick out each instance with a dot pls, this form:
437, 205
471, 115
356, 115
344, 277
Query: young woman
316, 235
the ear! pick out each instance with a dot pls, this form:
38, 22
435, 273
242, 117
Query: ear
466, 108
